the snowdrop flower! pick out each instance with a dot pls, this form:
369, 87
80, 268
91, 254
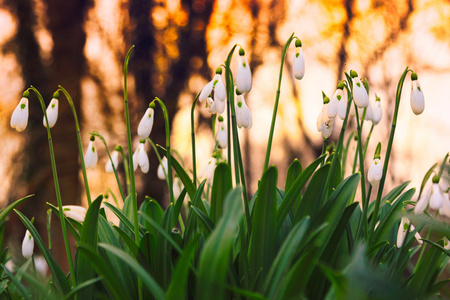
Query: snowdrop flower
162, 169
207, 171
27, 245
342, 98
446, 243
324, 122
52, 111
140, 158
445, 209
215, 106
404, 224
215, 84
90, 157
417, 98
146, 123
243, 74
360, 95
222, 137
376, 169
76, 212
114, 160
19, 118
433, 197
377, 111
298, 64
333, 106
243, 115
41, 265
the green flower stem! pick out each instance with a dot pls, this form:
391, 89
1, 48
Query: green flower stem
80, 146
441, 169
388, 152
365, 204
277, 99
422, 252
130, 159
194, 159
368, 139
57, 190
169, 153
49, 231
125, 166
324, 149
97, 134
238, 164
231, 117
345, 153
130, 150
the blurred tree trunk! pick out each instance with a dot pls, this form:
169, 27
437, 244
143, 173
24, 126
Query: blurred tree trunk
191, 44
65, 22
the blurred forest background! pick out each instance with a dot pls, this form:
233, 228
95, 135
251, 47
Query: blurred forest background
81, 45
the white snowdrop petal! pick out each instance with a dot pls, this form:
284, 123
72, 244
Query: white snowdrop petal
222, 136
90, 157
143, 161
219, 89
19, 118
422, 202
377, 112
436, 197
243, 76
146, 124
27, 245
360, 95
417, 98
161, 168
52, 113
206, 91
298, 65
115, 161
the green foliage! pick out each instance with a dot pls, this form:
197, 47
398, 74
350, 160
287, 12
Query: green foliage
312, 240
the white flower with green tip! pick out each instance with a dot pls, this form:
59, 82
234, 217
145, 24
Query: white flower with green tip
146, 124
19, 118
114, 160
90, 156
52, 113
140, 158
27, 245
243, 114
298, 64
417, 98
404, 224
243, 74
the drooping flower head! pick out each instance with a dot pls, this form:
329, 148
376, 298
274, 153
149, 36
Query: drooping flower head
404, 224
19, 118
216, 85
76, 212
162, 169
325, 123
360, 94
140, 158
377, 111
445, 209
432, 197
215, 106
114, 160
207, 170
243, 74
417, 98
376, 169
90, 156
298, 65
27, 245
342, 100
222, 137
52, 111
243, 114
146, 123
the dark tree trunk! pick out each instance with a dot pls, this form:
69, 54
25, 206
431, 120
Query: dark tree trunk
66, 67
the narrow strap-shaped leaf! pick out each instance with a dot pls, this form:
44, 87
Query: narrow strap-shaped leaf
82, 286
58, 275
295, 190
128, 240
146, 278
178, 282
264, 217
191, 219
294, 171
5, 211
204, 218
123, 218
23, 290
282, 262
222, 184
215, 257
74, 228
184, 177
113, 282
85, 271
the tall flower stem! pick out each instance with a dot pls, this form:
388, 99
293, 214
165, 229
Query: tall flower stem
125, 167
194, 159
97, 134
232, 127
277, 99
388, 152
80, 146
130, 149
57, 190
169, 154
365, 204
